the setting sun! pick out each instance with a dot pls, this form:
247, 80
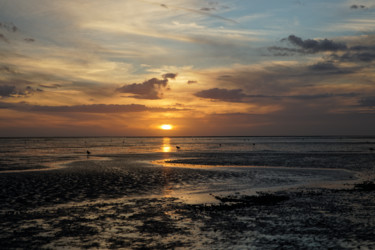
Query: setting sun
166, 127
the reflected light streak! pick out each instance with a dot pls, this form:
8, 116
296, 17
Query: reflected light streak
166, 145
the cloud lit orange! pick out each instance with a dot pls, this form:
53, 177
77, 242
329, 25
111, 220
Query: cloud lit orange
209, 70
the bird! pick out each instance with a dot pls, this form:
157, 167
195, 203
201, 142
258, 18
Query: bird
178, 147
88, 152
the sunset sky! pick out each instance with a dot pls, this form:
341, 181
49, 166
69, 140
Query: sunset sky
215, 67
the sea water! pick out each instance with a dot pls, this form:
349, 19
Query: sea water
23, 152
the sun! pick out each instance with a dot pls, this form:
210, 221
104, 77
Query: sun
166, 127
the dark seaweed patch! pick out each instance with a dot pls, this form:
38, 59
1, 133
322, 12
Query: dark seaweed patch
264, 199
365, 186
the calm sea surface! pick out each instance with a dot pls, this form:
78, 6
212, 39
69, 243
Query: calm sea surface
17, 152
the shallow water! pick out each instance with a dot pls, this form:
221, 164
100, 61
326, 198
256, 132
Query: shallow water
145, 193
18, 153
280, 161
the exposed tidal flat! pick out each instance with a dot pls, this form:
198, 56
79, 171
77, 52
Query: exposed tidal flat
260, 199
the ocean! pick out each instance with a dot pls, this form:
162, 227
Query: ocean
18, 153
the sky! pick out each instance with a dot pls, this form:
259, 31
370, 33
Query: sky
207, 67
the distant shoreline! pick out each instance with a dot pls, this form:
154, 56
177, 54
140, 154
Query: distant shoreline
191, 136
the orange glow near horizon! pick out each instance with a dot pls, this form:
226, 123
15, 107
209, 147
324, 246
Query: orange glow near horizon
166, 127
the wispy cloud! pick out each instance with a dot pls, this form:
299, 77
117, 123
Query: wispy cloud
3, 38
8, 26
204, 11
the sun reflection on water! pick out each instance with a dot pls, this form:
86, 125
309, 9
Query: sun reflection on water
166, 145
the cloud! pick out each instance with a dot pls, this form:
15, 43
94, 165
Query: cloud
367, 101
355, 6
50, 86
29, 40
237, 95
355, 57
282, 51
213, 5
29, 90
234, 95
7, 91
308, 46
314, 46
151, 89
364, 51
292, 123
286, 79
323, 66
203, 11
362, 48
10, 27
12, 91
320, 96
357, 53
93, 108
3, 38
208, 8
169, 75
7, 69
328, 67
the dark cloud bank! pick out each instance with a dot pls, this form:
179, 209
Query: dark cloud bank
237, 95
93, 108
357, 53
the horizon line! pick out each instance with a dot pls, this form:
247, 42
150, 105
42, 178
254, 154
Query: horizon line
182, 136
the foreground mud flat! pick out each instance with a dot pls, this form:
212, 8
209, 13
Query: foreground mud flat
109, 204
308, 219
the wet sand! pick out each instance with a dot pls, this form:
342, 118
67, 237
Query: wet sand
131, 204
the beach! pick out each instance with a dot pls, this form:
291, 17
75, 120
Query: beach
191, 200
